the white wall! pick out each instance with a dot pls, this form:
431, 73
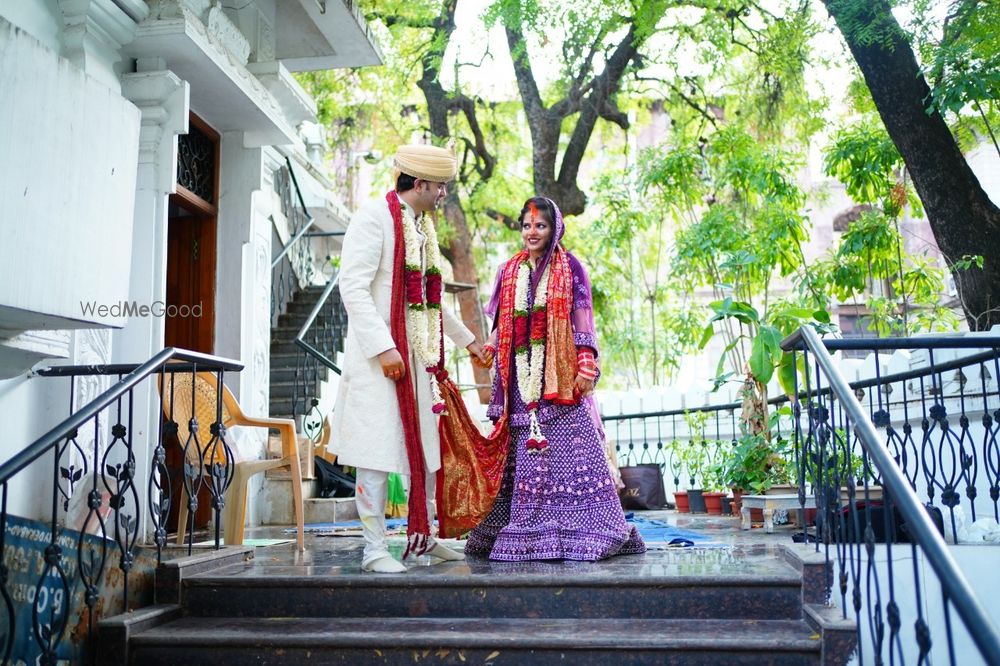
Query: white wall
66, 195
977, 563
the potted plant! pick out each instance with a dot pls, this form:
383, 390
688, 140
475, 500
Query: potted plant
715, 480
693, 459
756, 465
676, 466
695, 456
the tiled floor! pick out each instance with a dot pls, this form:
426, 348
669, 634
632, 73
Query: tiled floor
744, 551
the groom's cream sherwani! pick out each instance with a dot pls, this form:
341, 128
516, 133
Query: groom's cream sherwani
367, 429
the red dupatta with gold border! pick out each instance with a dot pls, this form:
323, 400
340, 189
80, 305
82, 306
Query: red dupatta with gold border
472, 464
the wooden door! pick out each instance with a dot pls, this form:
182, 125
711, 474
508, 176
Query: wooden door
191, 262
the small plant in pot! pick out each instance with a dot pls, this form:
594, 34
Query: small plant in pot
756, 465
715, 480
694, 456
676, 466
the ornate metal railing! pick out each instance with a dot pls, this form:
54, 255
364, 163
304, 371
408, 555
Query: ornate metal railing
319, 339
114, 508
941, 422
294, 264
891, 607
686, 453
879, 457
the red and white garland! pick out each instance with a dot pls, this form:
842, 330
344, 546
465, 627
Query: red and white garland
423, 298
530, 330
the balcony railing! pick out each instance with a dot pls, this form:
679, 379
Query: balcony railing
882, 457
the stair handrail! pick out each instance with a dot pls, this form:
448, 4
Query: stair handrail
136, 373
921, 528
300, 339
125, 496
304, 269
305, 211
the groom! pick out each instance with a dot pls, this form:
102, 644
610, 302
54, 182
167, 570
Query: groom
386, 412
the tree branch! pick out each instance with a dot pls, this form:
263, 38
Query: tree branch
485, 161
405, 21
526, 83
602, 90
703, 111
508, 221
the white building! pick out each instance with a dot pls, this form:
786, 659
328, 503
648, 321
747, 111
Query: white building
138, 152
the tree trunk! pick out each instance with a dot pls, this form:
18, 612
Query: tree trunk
459, 251
961, 215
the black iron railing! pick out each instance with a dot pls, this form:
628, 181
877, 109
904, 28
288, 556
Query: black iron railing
294, 264
881, 459
890, 603
319, 339
688, 453
114, 499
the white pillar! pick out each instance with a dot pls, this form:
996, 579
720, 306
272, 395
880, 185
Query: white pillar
163, 99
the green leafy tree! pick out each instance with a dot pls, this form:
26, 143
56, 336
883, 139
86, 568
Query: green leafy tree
964, 220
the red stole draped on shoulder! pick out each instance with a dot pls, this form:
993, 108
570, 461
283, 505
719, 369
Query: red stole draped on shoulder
417, 525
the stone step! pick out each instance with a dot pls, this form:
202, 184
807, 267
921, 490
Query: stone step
306, 305
330, 510
281, 389
297, 319
599, 641
772, 591
287, 374
284, 332
281, 408
284, 347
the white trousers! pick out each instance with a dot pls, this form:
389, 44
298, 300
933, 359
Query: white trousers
371, 493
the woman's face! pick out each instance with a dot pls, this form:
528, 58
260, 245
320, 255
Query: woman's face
535, 232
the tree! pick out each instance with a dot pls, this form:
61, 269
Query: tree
434, 23
964, 220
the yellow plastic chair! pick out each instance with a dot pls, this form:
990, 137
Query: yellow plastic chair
178, 386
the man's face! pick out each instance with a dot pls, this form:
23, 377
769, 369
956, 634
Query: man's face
429, 194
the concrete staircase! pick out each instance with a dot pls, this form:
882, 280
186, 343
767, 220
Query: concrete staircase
292, 373
759, 608
285, 354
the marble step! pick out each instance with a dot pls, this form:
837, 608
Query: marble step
774, 591
349, 640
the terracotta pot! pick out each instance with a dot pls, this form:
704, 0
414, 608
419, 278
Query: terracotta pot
681, 500
713, 502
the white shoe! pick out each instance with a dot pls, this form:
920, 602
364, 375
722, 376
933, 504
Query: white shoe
384, 564
443, 552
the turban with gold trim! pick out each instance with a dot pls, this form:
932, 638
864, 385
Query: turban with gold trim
425, 162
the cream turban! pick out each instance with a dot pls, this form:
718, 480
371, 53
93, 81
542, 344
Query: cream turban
426, 162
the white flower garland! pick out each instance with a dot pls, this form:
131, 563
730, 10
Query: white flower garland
423, 323
531, 367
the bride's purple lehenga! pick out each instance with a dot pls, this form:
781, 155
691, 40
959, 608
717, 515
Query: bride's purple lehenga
561, 503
